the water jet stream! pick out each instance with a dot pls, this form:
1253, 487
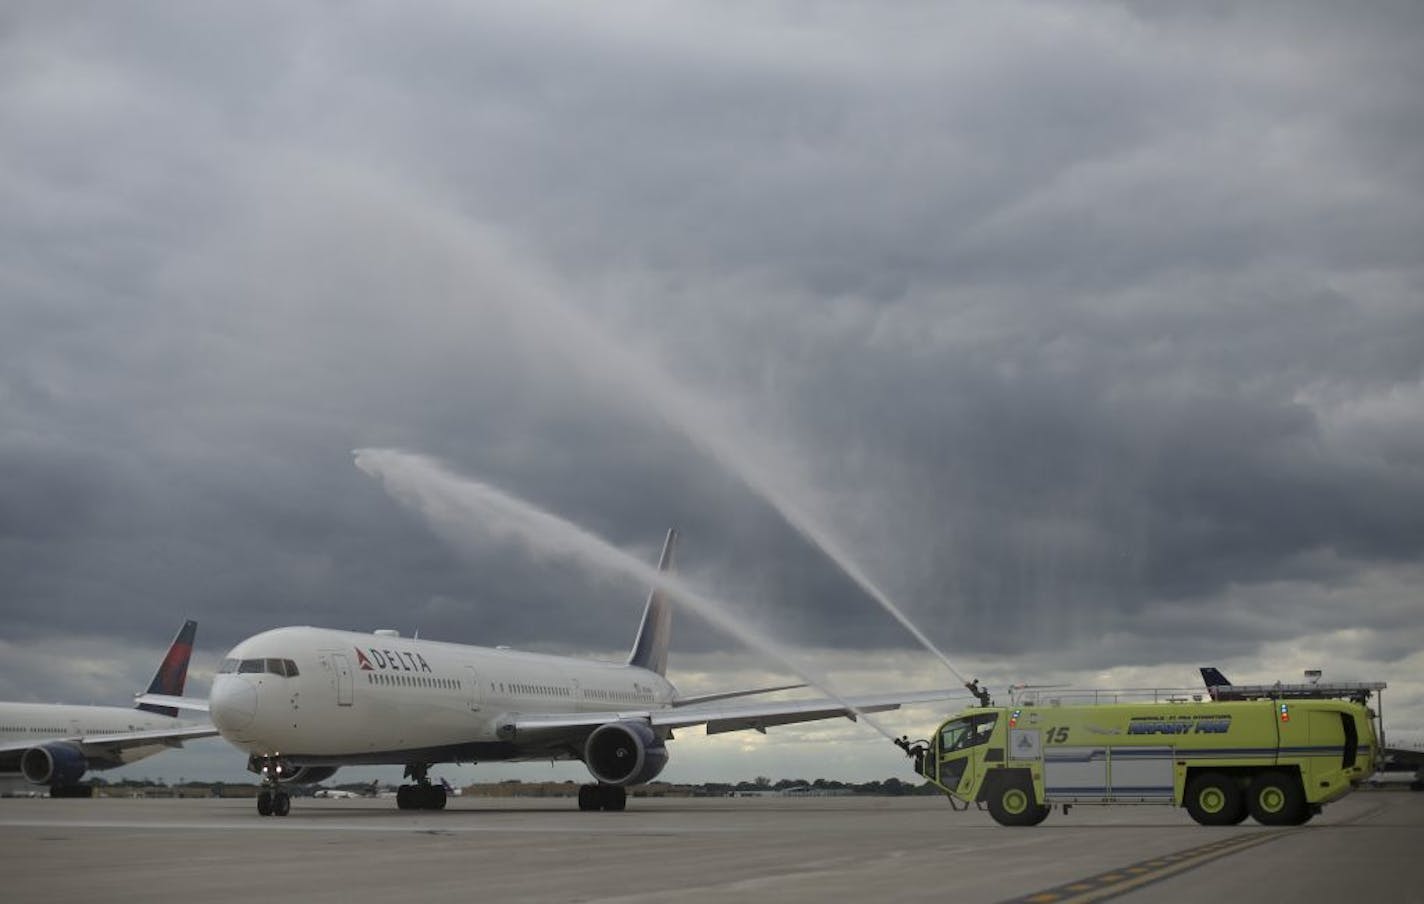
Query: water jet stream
451, 503
708, 427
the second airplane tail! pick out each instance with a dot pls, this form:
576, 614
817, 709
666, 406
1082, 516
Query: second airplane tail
650, 650
172, 672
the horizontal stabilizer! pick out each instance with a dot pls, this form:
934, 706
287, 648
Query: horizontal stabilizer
195, 704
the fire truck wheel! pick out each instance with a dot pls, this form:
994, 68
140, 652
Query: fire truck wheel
1275, 799
1011, 802
1214, 800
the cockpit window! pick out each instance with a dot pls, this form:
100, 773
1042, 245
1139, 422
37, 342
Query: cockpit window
228, 667
285, 668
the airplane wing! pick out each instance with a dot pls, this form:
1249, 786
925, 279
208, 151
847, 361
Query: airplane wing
117, 740
1403, 756
724, 717
728, 695
197, 704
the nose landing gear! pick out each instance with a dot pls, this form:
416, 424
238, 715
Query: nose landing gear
272, 800
422, 795
273, 803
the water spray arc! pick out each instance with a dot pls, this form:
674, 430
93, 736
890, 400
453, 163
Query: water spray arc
715, 443
712, 430
453, 504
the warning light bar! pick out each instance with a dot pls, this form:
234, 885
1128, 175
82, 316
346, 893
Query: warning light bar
1356, 691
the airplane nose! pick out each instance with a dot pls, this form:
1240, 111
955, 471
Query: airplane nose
233, 704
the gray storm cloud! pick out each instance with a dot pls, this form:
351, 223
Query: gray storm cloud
1092, 336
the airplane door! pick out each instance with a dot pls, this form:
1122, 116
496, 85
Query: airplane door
343, 679
474, 694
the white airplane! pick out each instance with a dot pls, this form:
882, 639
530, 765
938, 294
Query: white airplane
54, 744
305, 701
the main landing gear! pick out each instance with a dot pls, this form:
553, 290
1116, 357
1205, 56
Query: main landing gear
272, 800
422, 795
602, 797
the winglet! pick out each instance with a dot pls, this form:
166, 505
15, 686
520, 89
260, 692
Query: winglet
651, 648
172, 672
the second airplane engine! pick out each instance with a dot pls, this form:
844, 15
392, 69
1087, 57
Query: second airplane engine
624, 753
54, 764
308, 775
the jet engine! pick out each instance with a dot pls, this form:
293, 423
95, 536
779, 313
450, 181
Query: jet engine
308, 775
53, 764
624, 753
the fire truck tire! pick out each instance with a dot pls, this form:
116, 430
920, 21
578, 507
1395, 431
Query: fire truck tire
1011, 802
1214, 800
1276, 799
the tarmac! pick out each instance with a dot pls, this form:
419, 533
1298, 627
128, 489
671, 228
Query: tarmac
1365, 847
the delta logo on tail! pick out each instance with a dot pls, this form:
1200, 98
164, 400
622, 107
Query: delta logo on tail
172, 673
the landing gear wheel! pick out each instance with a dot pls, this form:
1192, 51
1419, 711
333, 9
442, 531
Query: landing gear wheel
1011, 802
1276, 799
1214, 800
435, 798
281, 804
613, 798
424, 796
264, 803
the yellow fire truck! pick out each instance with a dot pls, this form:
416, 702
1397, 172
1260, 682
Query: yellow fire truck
1274, 752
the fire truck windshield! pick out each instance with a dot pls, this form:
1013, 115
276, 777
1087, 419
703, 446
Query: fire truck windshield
971, 731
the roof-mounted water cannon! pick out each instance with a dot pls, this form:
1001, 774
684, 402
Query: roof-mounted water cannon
983, 695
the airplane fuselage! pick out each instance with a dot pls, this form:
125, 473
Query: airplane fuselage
44, 723
322, 697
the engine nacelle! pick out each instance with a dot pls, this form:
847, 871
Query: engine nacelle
308, 775
53, 764
624, 753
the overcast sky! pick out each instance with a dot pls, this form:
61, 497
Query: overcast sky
1092, 334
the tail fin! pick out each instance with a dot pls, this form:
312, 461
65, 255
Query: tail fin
173, 671
651, 648
1213, 679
